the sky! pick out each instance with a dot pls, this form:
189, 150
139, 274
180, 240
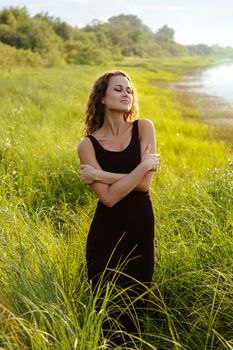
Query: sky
194, 22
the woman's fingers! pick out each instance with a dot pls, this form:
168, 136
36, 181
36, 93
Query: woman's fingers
87, 173
157, 156
154, 160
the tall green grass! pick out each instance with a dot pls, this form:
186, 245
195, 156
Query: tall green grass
45, 213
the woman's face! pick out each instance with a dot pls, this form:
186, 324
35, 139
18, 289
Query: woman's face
118, 95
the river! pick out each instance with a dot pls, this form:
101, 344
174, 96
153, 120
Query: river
214, 81
211, 91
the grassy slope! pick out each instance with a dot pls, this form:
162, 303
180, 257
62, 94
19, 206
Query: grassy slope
46, 211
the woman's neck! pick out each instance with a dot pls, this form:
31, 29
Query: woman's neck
113, 124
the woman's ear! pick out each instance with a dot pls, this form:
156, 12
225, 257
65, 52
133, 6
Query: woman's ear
102, 101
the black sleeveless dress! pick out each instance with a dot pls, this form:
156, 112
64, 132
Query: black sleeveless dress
121, 238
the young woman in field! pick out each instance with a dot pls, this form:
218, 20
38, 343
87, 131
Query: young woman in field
117, 159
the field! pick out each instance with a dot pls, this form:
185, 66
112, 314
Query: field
45, 213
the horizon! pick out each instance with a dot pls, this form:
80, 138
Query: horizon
206, 22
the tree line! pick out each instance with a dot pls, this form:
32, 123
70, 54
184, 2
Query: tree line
54, 40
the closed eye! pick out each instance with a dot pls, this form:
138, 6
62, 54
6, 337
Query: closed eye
119, 89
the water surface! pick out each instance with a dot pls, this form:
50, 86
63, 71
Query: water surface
214, 81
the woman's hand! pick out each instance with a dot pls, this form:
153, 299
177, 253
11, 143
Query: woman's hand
88, 174
151, 159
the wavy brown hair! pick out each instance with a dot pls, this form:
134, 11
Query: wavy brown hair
95, 109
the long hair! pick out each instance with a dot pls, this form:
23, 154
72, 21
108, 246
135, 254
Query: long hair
95, 109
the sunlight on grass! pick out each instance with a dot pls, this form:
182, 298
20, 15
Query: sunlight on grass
45, 213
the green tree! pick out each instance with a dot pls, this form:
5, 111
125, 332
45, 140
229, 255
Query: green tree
7, 34
165, 34
9, 21
200, 49
88, 47
62, 29
12, 15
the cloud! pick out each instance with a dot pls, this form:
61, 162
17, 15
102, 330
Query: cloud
84, 2
55, 3
170, 8
41, 4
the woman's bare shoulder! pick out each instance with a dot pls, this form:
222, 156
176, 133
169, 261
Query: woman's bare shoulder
145, 124
84, 144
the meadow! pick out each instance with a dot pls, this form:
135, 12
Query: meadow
45, 213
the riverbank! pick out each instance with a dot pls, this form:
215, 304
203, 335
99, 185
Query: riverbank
218, 113
209, 109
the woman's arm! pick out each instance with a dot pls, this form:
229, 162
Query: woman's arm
90, 174
146, 135
111, 194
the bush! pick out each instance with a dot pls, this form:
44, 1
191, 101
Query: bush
10, 56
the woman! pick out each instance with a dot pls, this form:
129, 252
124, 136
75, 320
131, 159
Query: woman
117, 159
